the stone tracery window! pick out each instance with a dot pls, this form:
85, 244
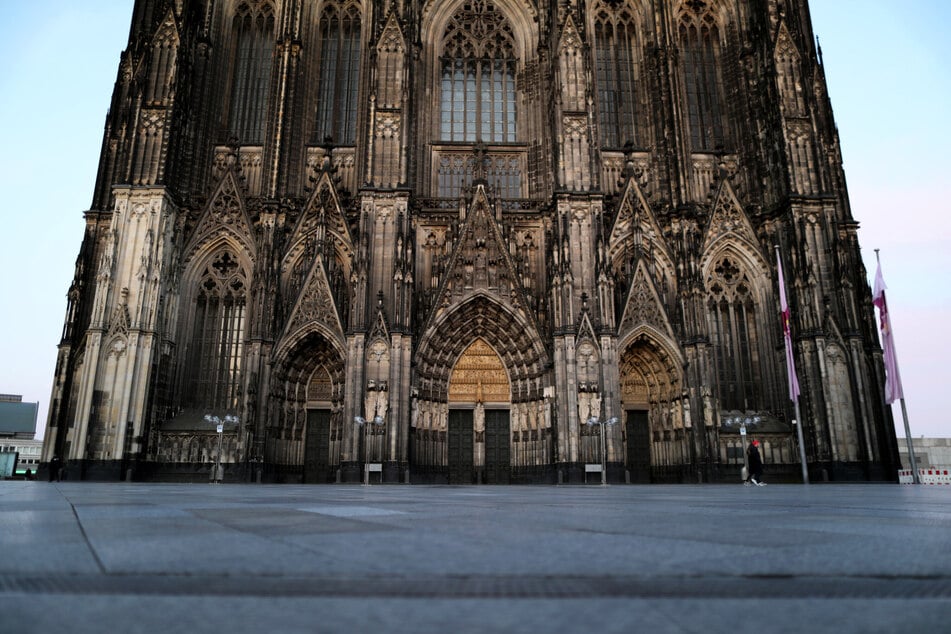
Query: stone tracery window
700, 45
253, 52
339, 84
477, 73
731, 311
213, 372
614, 40
477, 103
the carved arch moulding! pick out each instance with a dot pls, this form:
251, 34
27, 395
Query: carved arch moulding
520, 14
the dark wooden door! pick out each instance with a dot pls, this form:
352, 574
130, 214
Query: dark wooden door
638, 446
498, 467
317, 447
460, 446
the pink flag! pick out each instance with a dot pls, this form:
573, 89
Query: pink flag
893, 390
787, 335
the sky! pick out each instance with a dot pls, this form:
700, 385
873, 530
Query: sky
890, 85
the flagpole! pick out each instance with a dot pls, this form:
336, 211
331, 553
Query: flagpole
802, 443
802, 446
904, 414
911, 450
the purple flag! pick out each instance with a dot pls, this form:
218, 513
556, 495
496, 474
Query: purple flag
893, 390
787, 334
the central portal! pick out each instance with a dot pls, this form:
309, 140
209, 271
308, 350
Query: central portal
498, 460
479, 428
460, 446
467, 445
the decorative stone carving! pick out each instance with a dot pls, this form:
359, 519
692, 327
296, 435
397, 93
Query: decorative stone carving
728, 219
316, 304
479, 376
643, 306
575, 126
225, 215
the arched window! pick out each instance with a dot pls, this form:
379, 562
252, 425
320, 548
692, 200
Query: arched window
339, 74
253, 52
733, 332
478, 76
213, 372
477, 97
614, 63
700, 45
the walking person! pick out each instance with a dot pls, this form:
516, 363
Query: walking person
55, 465
756, 464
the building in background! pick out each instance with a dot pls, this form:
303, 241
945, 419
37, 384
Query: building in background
480, 224
18, 433
929, 452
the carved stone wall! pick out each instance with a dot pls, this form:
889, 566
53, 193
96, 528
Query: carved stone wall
565, 212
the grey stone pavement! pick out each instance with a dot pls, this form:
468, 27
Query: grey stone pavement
91, 557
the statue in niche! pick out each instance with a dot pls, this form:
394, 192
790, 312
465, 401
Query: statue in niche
589, 406
707, 408
377, 399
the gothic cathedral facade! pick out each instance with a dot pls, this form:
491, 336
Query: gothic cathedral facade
468, 241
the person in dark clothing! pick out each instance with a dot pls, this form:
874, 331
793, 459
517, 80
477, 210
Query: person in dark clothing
756, 464
56, 465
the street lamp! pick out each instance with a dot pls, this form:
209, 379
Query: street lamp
604, 456
220, 422
365, 424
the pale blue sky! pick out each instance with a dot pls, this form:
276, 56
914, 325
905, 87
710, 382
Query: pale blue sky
887, 68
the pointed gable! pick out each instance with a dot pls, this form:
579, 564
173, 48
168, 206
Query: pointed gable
643, 306
480, 260
570, 40
785, 46
322, 214
315, 306
225, 216
788, 73
167, 32
391, 39
380, 329
635, 224
729, 221
391, 54
586, 329
571, 65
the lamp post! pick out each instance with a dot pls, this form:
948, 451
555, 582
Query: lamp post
220, 422
360, 421
604, 456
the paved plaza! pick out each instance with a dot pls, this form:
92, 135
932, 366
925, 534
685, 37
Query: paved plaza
92, 557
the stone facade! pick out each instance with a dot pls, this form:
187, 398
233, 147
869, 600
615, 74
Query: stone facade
480, 224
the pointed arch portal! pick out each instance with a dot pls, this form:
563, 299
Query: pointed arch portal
305, 436
479, 407
654, 415
479, 427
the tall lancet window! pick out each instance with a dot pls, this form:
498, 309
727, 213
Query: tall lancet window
339, 74
614, 41
213, 371
477, 71
733, 330
253, 54
700, 45
477, 98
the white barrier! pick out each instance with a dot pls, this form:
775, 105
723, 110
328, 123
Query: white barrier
591, 468
931, 475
